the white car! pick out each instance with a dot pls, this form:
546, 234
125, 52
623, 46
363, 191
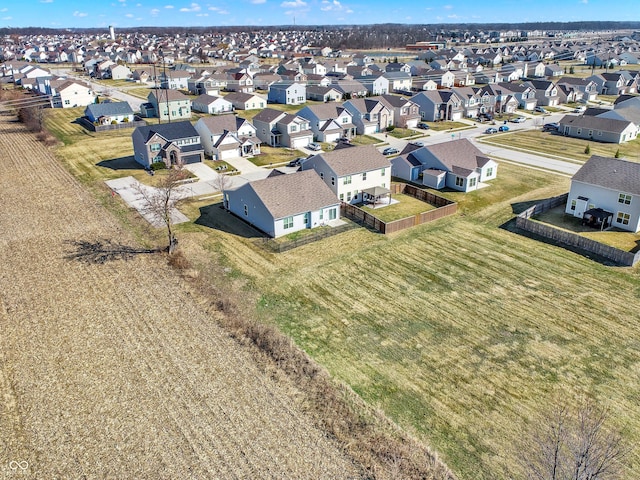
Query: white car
314, 146
518, 119
580, 109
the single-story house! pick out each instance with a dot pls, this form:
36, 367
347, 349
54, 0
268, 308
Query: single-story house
109, 112
601, 129
210, 104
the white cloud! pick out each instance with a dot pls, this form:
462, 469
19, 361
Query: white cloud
293, 4
454, 16
79, 14
448, 7
154, 12
46, 1
168, 6
194, 7
129, 15
258, 2
219, 11
7, 18
202, 15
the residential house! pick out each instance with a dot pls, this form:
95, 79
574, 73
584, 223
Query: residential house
282, 204
439, 105
210, 104
406, 113
119, 72
69, 93
351, 173
612, 83
524, 93
610, 188
470, 101
228, 136
323, 94
287, 93
369, 115
175, 143
399, 81
582, 88
546, 92
239, 82
375, 84
350, 88
456, 164
276, 128
167, 104
107, 113
598, 128
553, 70
329, 122
246, 101
174, 79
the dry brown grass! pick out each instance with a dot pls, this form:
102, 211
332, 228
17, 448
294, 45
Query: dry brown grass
114, 370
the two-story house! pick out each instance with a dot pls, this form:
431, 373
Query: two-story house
610, 188
287, 93
276, 128
228, 136
369, 115
546, 92
351, 173
329, 122
175, 143
406, 114
436, 105
167, 104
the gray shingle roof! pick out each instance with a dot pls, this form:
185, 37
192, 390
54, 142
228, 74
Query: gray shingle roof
595, 123
613, 173
169, 131
292, 194
109, 108
458, 153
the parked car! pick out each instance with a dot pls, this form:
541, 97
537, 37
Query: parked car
518, 119
390, 151
417, 143
485, 116
295, 162
314, 146
551, 127
503, 128
491, 130
423, 126
540, 109
580, 109
343, 140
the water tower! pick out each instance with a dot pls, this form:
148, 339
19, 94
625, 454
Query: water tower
112, 33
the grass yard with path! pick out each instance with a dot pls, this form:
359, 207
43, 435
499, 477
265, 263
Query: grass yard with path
460, 329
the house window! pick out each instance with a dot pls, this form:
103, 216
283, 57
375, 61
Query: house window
623, 218
294, 128
490, 172
322, 175
306, 218
287, 223
67, 102
332, 214
573, 204
345, 120
333, 180
364, 176
348, 196
579, 131
383, 171
246, 211
342, 197
321, 216
155, 147
347, 180
472, 182
599, 133
459, 181
157, 158
355, 194
624, 198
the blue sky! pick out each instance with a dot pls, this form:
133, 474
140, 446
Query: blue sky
131, 13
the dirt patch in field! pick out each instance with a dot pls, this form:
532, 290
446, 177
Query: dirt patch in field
112, 369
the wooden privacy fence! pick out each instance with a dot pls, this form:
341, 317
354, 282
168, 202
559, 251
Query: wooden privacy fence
138, 122
444, 208
279, 246
524, 222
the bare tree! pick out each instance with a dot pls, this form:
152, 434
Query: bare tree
160, 202
573, 444
222, 183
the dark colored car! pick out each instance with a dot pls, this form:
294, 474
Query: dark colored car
390, 151
485, 116
423, 126
551, 127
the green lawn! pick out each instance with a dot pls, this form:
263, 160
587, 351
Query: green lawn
406, 207
364, 140
271, 156
546, 143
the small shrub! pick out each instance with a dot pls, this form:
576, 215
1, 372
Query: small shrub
587, 150
114, 122
125, 120
390, 128
617, 155
158, 166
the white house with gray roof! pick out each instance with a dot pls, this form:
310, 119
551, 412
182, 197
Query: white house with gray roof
348, 172
283, 204
228, 136
276, 129
329, 121
456, 164
609, 185
107, 112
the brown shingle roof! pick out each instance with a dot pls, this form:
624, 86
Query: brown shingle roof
355, 160
613, 173
292, 194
